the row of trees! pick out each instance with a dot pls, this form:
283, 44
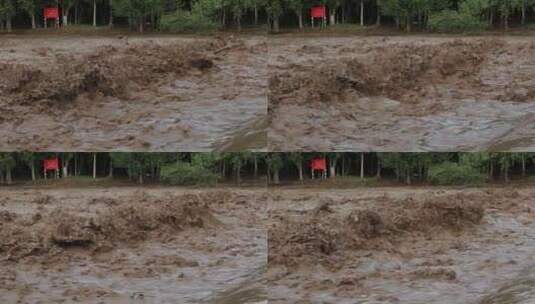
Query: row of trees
138, 13
174, 167
407, 13
184, 168
404, 14
405, 167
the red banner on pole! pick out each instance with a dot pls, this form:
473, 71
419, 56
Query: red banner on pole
51, 164
318, 163
51, 13
318, 11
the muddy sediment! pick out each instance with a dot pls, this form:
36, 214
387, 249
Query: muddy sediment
392, 246
321, 232
402, 72
191, 246
109, 71
137, 220
393, 94
149, 93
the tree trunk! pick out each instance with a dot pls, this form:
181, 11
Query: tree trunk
332, 17
506, 19
361, 12
152, 20
65, 17
140, 178
238, 174
408, 180
75, 165
255, 14
378, 21
111, 168
523, 165
141, 21
343, 165
276, 177
300, 169
300, 19
32, 168
94, 165
95, 13
276, 25
361, 165
8, 28
111, 14
9, 180
378, 175
523, 20
255, 174
34, 26
332, 168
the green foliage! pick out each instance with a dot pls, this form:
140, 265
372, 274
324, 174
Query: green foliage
30, 6
182, 173
206, 160
137, 10
7, 161
7, 9
449, 173
203, 16
274, 8
137, 163
454, 21
406, 165
274, 161
185, 21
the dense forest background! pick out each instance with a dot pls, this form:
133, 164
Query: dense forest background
435, 15
197, 15
439, 168
172, 168
209, 168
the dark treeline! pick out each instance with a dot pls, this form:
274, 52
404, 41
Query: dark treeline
175, 168
200, 14
437, 168
409, 14
139, 15
208, 168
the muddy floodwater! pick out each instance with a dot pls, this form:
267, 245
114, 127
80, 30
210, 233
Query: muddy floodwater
133, 93
389, 245
122, 245
415, 93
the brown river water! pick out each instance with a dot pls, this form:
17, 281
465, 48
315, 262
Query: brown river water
146, 93
490, 263
415, 93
